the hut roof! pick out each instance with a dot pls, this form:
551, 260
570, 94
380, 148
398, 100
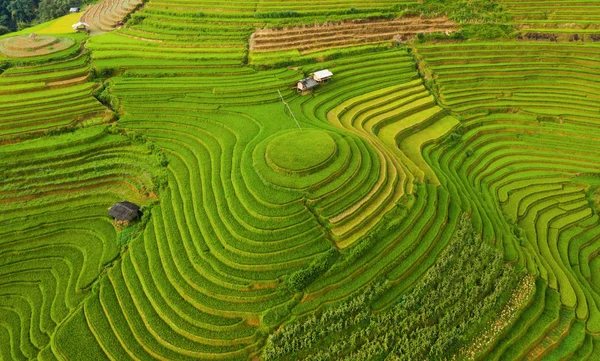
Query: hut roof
308, 83
74, 10
323, 74
124, 211
80, 24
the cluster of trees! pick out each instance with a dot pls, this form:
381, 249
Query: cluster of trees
19, 14
469, 284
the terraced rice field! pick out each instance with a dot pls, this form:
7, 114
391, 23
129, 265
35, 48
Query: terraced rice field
322, 37
577, 17
44, 97
27, 46
262, 206
528, 147
108, 14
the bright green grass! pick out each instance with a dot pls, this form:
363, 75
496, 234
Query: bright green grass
301, 151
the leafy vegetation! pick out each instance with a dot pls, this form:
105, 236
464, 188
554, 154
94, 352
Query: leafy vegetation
20, 14
468, 284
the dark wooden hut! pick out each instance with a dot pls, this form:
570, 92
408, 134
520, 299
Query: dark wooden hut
124, 211
306, 85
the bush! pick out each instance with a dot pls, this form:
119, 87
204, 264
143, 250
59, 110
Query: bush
298, 280
136, 20
104, 96
487, 31
277, 14
127, 234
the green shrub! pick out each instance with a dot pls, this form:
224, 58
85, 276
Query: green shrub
105, 96
136, 20
127, 234
298, 280
277, 14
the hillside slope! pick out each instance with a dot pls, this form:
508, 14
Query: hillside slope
446, 176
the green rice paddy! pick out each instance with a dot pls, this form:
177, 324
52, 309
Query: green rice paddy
301, 151
264, 210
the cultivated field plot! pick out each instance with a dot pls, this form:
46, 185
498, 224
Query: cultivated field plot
60, 185
41, 98
326, 5
534, 157
307, 39
567, 17
32, 45
108, 14
211, 237
436, 199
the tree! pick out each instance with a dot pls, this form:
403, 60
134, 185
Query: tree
22, 12
51, 9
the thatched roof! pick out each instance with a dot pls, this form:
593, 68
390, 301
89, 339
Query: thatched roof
124, 211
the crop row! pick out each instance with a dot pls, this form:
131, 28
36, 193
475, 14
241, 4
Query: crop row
107, 15
529, 177
563, 82
50, 262
211, 265
43, 97
519, 163
545, 15
357, 32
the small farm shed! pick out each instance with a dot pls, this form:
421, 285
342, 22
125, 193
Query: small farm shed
74, 10
322, 76
124, 211
80, 26
306, 85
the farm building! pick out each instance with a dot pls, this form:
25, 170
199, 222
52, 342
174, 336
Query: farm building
74, 10
306, 85
322, 76
124, 211
80, 26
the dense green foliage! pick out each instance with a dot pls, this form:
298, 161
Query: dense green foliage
467, 285
481, 19
19, 14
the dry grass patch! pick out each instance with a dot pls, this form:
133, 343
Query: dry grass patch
307, 39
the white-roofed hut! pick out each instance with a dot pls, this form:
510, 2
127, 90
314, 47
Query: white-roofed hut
322, 76
80, 26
